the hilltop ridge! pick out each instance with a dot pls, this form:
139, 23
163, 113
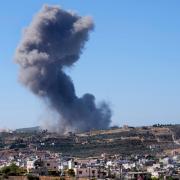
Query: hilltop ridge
125, 140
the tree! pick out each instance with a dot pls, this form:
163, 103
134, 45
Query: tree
31, 177
12, 170
71, 172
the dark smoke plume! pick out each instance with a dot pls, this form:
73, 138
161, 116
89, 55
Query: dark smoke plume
54, 40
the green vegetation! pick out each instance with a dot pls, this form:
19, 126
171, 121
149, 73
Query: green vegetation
32, 177
53, 173
12, 170
71, 172
127, 141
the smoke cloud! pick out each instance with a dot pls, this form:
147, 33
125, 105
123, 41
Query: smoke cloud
53, 41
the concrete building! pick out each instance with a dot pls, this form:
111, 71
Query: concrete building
86, 172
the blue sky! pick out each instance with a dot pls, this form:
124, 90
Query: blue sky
132, 60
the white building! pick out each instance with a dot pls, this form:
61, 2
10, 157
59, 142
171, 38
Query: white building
30, 165
39, 165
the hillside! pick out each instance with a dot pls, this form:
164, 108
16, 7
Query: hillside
125, 141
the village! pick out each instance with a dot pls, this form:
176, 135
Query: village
45, 163
117, 153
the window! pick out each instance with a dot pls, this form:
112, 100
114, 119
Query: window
80, 172
48, 164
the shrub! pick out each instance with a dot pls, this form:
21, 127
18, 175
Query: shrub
32, 177
12, 170
71, 172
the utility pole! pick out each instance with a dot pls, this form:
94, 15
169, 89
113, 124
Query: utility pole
120, 173
89, 170
89, 173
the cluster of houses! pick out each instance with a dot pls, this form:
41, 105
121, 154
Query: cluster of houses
104, 166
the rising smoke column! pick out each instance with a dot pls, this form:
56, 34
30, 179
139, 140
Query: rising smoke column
53, 41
